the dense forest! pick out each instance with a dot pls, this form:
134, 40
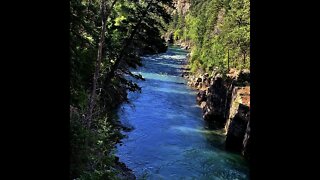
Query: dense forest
217, 31
107, 40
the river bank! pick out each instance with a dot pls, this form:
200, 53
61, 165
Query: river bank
225, 104
169, 139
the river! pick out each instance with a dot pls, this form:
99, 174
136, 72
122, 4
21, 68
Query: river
170, 140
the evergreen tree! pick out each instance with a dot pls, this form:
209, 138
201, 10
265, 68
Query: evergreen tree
218, 32
107, 38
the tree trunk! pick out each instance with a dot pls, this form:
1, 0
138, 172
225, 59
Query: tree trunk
244, 58
110, 9
104, 17
111, 73
228, 61
89, 4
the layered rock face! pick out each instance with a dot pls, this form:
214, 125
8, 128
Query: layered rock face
225, 102
214, 110
238, 122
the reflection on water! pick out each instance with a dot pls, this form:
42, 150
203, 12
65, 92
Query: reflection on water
170, 140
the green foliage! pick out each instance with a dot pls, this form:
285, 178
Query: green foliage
91, 150
213, 28
177, 34
92, 146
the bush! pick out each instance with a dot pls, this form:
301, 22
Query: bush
92, 150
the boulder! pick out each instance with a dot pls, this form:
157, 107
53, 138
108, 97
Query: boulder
243, 78
206, 83
233, 74
185, 74
196, 84
201, 96
203, 104
205, 77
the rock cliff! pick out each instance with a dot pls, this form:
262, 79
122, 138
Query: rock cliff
225, 102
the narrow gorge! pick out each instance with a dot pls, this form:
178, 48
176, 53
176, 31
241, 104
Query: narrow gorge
169, 139
160, 89
225, 104
218, 63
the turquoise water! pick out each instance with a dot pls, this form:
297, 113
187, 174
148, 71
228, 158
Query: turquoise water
169, 139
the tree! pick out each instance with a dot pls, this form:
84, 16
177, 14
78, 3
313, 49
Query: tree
218, 31
107, 38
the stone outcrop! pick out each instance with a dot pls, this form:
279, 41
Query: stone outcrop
225, 102
237, 128
238, 123
201, 97
246, 149
214, 111
200, 82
